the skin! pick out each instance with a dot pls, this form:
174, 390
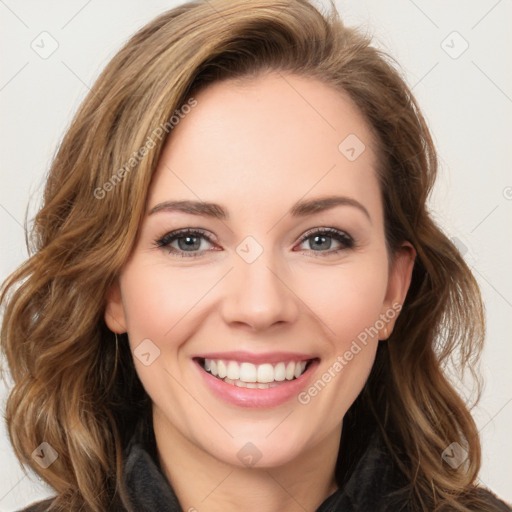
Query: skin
256, 148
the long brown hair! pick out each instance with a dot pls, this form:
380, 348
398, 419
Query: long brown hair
77, 390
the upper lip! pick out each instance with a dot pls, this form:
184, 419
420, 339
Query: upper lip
251, 357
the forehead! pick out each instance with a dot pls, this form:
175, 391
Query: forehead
265, 142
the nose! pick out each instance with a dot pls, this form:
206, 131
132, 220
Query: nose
258, 295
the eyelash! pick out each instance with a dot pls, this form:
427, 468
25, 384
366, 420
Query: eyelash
344, 238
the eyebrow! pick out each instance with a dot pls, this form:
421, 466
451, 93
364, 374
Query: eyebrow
299, 209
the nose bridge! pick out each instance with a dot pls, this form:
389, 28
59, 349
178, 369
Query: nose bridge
257, 293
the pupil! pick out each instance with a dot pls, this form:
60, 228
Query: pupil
318, 237
189, 242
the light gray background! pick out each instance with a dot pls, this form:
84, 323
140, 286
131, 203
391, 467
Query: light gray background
466, 99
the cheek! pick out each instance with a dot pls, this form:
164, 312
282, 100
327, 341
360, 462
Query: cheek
349, 302
159, 304
348, 299
157, 300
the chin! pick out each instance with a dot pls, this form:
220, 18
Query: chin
258, 448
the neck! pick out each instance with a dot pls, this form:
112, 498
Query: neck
203, 482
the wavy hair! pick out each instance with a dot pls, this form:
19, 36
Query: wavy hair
76, 389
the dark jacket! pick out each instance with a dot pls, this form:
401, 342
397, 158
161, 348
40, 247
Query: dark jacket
367, 489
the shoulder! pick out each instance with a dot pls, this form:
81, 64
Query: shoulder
40, 506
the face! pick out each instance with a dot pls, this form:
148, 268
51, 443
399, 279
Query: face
256, 319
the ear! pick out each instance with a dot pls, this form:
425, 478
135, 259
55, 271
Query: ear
114, 311
398, 285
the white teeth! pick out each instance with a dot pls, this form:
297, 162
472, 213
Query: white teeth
233, 371
280, 372
290, 370
252, 385
221, 369
248, 372
299, 368
265, 373
254, 376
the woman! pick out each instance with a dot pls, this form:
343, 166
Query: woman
187, 337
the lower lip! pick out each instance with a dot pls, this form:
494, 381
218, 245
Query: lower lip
257, 398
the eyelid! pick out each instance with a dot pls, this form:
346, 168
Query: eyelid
326, 230
185, 231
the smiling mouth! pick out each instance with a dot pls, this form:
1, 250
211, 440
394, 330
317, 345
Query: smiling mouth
248, 375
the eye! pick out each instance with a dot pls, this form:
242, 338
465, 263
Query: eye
188, 241
322, 239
